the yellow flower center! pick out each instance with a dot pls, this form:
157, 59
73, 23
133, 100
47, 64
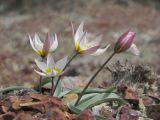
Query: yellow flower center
77, 47
41, 53
50, 70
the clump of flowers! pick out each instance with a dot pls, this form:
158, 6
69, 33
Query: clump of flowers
82, 45
49, 45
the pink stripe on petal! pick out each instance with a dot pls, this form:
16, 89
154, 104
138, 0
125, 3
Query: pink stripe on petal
46, 45
90, 50
124, 42
100, 51
127, 43
72, 29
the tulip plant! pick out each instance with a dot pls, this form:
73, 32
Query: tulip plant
82, 45
124, 42
43, 48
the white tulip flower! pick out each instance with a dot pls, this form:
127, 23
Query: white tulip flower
43, 48
50, 68
82, 45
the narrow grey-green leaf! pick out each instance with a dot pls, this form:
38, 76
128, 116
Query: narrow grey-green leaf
13, 88
58, 89
93, 90
87, 97
120, 101
94, 99
77, 111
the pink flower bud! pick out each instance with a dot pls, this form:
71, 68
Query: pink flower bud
124, 42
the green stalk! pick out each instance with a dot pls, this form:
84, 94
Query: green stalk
40, 84
93, 77
70, 60
52, 87
40, 79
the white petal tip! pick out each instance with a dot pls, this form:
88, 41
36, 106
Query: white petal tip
40, 73
101, 51
134, 50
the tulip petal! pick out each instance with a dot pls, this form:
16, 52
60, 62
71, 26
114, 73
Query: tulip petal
133, 49
90, 50
38, 39
38, 44
32, 44
54, 45
72, 27
40, 73
41, 65
83, 40
96, 41
50, 61
61, 63
79, 32
100, 51
46, 45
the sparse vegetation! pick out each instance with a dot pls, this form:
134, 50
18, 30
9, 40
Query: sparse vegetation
77, 87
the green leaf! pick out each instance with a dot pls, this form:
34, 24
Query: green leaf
120, 101
113, 95
13, 88
100, 96
74, 109
87, 97
101, 118
77, 111
93, 90
63, 93
58, 89
94, 99
76, 91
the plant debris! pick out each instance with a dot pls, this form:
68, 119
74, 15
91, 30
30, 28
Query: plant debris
33, 106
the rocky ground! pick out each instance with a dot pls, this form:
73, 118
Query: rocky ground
109, 18
139, 74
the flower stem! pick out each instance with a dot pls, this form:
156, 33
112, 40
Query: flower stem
40, 79
52, 87
93, 77
70, 60
40, 84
